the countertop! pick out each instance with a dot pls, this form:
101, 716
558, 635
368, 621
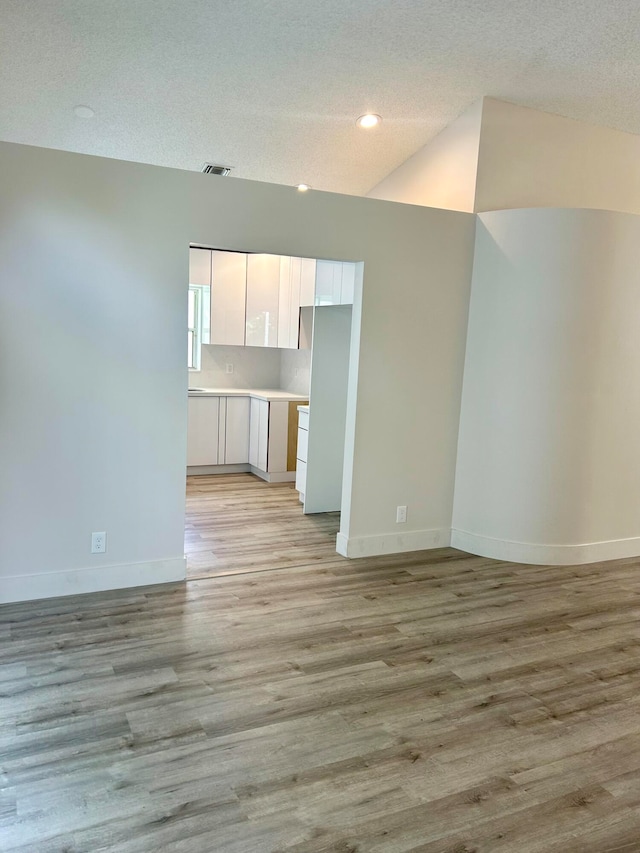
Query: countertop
268, 394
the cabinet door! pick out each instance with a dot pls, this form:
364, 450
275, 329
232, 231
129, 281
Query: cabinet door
228, 297
289, 308
293, 318
278, 436
202, 431
254, 431
328, 282
307, 282
348, 283
236, 449
263, 435
284, 303
263, 290
200, 266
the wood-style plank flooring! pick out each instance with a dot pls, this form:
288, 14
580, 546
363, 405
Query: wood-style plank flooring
433, 702
239, 523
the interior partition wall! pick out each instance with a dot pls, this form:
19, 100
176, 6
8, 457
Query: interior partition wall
548, 465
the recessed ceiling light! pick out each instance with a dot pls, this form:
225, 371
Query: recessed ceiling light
303, 188
83, 111
369, 120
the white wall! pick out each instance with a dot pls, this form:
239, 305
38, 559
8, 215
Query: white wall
443, 172
549, 459
94, 265
530, 158
407, 355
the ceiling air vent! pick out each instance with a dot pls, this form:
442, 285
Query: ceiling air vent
214, 169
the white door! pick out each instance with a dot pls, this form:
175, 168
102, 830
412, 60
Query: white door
228, 297
202, 431
237, 431
263, 291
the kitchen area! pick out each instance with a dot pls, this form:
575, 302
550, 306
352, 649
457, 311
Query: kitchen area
268, 356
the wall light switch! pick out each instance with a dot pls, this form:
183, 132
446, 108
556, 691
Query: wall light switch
401, 514
229, 367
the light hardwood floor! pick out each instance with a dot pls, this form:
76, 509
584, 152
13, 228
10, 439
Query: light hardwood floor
239, 523
433, 702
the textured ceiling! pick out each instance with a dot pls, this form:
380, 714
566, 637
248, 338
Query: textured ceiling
272, 87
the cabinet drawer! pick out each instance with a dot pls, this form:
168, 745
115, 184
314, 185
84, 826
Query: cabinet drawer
303, 439
301, 476
303, 420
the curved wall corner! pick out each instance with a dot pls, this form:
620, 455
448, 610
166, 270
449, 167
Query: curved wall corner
548, 467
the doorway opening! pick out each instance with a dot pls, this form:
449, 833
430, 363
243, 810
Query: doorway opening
269, 342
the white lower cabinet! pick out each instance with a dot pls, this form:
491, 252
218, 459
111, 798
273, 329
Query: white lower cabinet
202, 430
301, 453
218, 431
259, 433
269, 432
236, 430
301, 478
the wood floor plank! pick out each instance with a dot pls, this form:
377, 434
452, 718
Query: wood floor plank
286, 699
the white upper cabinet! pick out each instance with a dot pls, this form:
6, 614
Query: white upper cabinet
256, 298
328, 282
284, 303
348, 283
289, 309
335, 282
228, 297
263, 296
200, 266
307, 282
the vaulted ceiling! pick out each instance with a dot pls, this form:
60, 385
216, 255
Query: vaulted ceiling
273, 87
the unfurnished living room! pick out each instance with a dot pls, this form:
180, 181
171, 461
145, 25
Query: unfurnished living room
319, 416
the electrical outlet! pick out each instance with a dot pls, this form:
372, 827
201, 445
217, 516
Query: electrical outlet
229, 367
401, 514
98, 543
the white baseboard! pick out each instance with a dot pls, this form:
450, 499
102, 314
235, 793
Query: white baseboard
274, 476
545, 555
392, 543
197, 470
94, 579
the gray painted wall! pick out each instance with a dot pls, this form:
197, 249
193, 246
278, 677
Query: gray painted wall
93, 273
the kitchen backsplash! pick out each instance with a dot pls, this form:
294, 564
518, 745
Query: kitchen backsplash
295, 365
253, 367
